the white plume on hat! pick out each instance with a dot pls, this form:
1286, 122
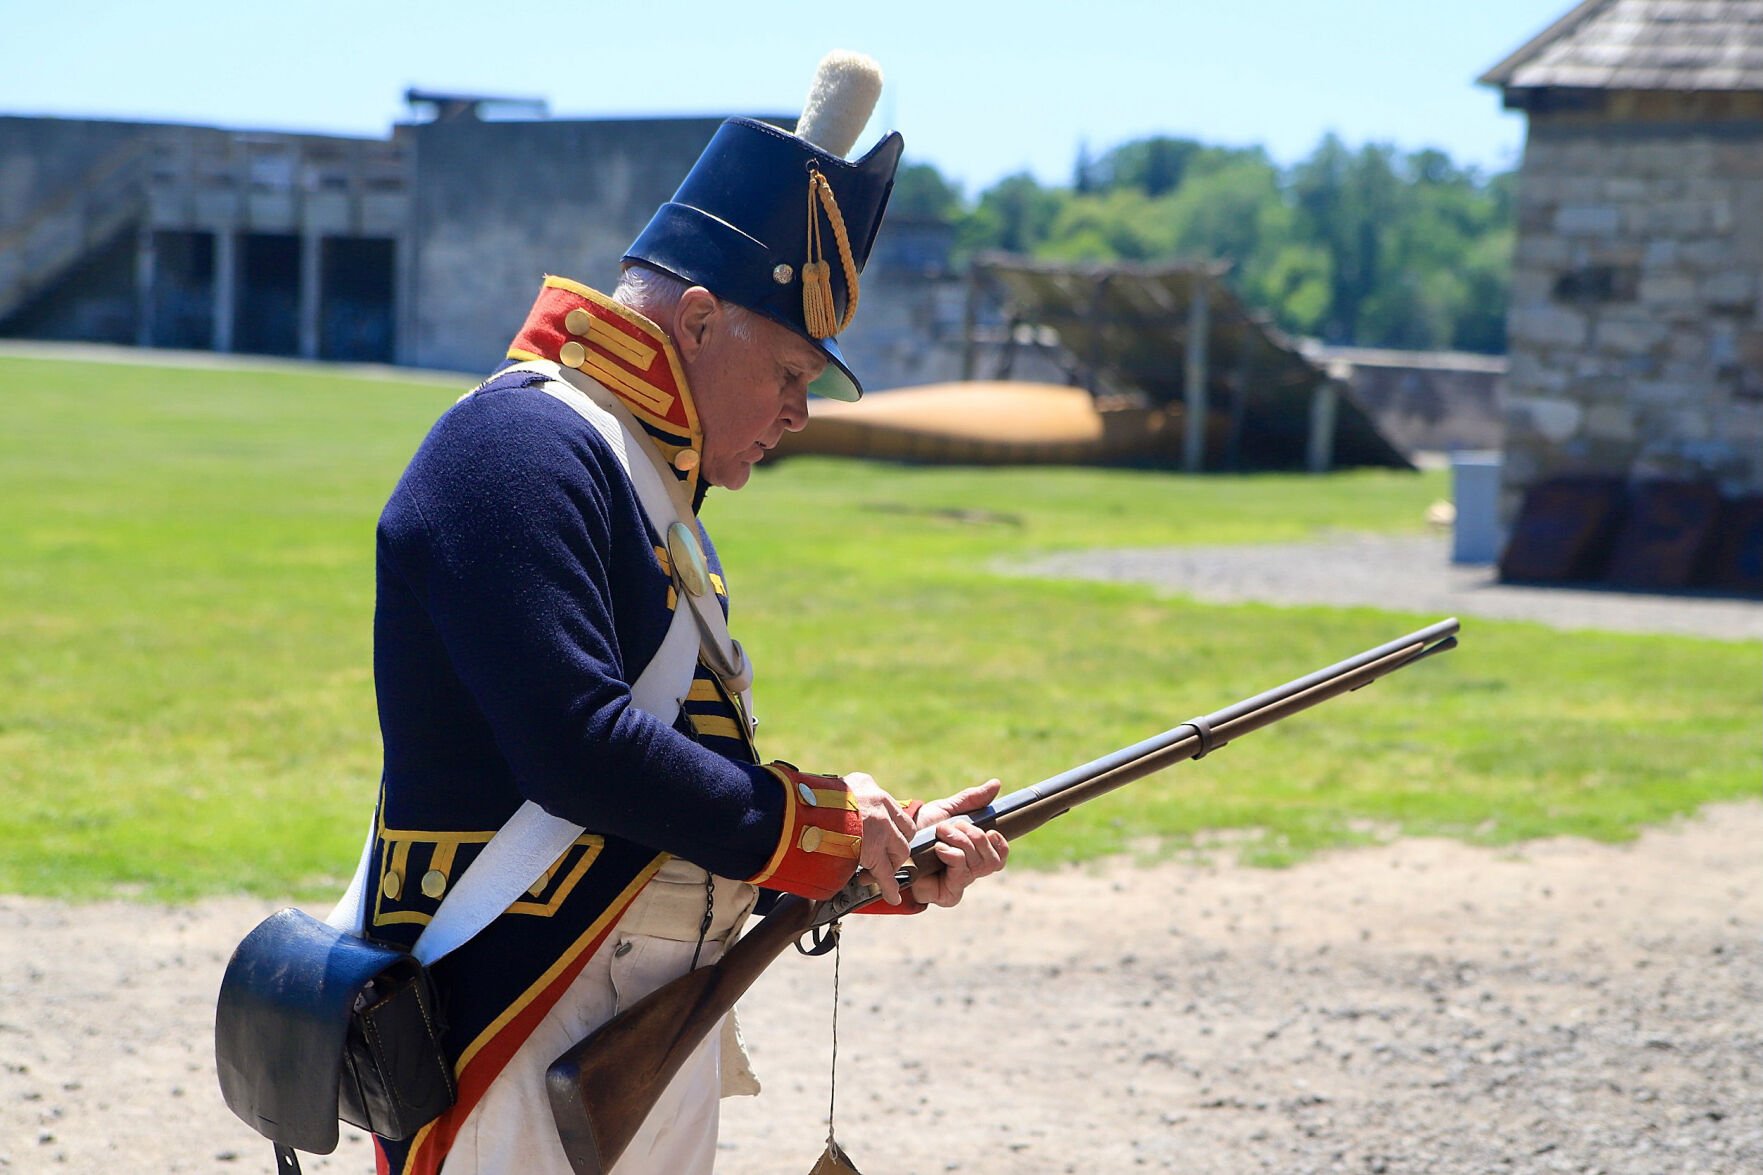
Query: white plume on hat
840, 101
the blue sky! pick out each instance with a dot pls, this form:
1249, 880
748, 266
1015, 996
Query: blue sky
979, 89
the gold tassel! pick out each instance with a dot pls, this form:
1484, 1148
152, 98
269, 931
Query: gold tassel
819, 311
817, 299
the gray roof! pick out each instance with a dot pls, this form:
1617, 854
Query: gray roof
1643, 45
1128, 325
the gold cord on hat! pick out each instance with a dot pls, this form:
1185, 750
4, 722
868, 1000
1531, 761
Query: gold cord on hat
818, 310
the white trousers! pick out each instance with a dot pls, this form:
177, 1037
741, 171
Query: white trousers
511, 1130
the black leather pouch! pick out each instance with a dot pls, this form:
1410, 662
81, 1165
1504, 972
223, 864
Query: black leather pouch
314, 1025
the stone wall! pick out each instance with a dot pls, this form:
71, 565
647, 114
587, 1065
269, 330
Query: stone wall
1636, 340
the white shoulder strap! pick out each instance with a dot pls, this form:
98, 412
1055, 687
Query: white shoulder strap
664, 503
533, 838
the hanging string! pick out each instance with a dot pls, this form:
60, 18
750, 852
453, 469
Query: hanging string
834, 1160
832, 1084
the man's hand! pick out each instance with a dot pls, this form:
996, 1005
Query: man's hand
887, 832
967, 852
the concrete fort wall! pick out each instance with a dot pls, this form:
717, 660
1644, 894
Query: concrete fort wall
45, 158
469, 215
497, 205
1636, 322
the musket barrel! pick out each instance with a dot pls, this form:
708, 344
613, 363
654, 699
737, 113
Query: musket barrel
1027, 809
603, 1087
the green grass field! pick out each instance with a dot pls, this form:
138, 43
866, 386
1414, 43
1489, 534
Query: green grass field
186, 569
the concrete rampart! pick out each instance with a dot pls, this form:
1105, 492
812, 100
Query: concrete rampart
497, 205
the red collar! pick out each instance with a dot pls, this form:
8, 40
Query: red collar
613, 344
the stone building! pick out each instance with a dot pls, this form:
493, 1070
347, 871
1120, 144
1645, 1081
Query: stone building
1635, 321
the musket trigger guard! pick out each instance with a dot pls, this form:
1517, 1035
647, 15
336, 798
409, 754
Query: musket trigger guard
824, 938
1202, 728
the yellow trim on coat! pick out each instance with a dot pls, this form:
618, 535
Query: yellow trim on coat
442, 856
715, 725
433, 837
550, 905
659, 336
645, 394
783, 840
648, 397
815, 839
610, 915
621, 344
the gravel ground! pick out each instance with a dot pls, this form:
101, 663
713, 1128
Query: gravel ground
1407, 573
1420, 1007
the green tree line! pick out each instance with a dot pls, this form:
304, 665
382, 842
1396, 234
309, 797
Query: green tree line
1372, 247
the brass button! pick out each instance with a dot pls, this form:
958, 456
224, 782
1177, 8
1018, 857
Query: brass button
434, 883
572, 354
622, 949
810, 839
807, 794
577, 321
392, 884
686, 460
782, 275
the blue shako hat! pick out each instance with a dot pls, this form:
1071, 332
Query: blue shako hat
772, 222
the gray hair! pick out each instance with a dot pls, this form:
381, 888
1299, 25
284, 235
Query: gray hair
654, 294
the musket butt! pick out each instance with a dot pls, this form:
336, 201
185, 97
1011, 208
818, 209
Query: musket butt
575, 1128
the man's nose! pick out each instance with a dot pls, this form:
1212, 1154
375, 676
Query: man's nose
795, 411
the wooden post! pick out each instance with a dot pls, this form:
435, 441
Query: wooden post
146, 282
1195, 375
1239, 405
311, 275
1007, 360
226, 287
1093, 377
969, 324
1324, 402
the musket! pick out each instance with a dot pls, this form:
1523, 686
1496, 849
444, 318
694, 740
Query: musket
605, 1085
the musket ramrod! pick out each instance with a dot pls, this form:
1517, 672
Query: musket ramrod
605, 1085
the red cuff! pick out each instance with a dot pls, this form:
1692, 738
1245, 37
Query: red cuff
822, 836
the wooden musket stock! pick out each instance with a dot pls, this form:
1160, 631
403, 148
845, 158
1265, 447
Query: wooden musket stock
604, 1086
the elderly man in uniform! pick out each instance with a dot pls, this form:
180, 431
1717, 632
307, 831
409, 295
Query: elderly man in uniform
525, 585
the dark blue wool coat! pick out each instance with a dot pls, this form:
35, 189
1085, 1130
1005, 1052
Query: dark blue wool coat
519, 592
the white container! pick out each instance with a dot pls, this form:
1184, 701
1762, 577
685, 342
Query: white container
1475, 490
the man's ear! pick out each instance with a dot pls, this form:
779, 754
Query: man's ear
693, 319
